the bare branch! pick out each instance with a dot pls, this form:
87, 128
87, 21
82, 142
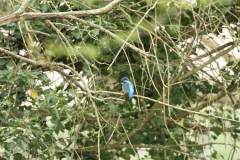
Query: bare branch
204, 64
23, 7
214, 50
10, 18
136, 49
168, 147
62, 15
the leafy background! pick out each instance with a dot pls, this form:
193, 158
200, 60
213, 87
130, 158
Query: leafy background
89, 46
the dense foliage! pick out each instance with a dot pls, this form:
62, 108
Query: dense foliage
92, 45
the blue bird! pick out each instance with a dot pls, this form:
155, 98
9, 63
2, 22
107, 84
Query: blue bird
127, 87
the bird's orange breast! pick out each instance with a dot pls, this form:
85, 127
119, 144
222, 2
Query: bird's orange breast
124, 91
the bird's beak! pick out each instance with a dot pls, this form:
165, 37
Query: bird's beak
118, 84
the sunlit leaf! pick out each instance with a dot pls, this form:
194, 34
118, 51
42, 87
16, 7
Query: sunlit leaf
181, 122
33, 93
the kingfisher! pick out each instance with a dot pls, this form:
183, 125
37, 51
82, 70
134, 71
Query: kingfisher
127, 87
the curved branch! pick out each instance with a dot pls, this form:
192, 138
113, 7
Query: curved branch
23, 7
136, 49
44, 64
9, 18
188, 74
62, 15
213, 51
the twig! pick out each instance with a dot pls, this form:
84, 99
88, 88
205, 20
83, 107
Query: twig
62, 15
130, 34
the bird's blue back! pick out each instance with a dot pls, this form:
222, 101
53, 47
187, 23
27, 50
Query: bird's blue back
128, 87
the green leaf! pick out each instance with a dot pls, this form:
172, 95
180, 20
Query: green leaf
44, 7
85, 134
19, 156
158, 121
73, 139
68, 157
44, 78
9, 131
25, 139
95, 32
55, 38
37, 158
69, 116
36, 145
21, 73
2, 62
11, 146
3, 120
214, 155
89, 114
9, 64
59, 126
48, 91
178, 131
21, 143
112, 106
181, 122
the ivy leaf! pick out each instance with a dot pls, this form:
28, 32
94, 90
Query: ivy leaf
11, 145
44, 7
2, 62
19, 156
112, 106
3, 120
85, 134
181, 122
21, 143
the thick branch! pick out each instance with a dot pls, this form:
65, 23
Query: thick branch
62, 15
213, 51
9, 18
136, 49
36, 63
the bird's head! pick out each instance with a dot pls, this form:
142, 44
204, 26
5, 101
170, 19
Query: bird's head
124, 79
